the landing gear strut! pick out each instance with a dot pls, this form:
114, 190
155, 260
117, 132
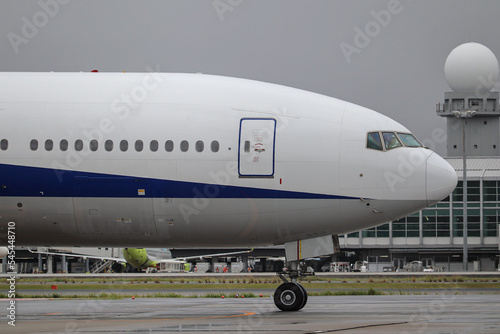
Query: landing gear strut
291, 296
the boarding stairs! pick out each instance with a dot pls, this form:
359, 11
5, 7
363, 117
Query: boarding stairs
101, 266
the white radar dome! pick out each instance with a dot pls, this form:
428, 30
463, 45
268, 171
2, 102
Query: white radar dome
471, 67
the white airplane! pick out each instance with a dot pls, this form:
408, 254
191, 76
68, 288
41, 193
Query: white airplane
172, 160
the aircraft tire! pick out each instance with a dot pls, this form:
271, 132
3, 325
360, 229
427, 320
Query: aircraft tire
290, 297
305, 295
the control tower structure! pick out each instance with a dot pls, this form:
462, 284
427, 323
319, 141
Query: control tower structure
471, 71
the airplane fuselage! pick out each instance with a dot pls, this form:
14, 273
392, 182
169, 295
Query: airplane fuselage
170, 160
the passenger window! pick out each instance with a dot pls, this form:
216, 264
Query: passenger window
49, 145
199, 146
34, 144
169, 146
63, 145
94, 145
108, 145
409, 140
391, 140
374, 141
4, 144
139, 145
184, 146
153, 145
215, 146
79, 145
124, 146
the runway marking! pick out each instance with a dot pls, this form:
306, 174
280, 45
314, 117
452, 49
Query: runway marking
244, 314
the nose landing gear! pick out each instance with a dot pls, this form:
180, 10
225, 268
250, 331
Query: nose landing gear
291, 296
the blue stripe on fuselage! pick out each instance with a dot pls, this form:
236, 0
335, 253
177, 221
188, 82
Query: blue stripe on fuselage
23, 181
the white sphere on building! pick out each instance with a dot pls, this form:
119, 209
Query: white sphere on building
471, 67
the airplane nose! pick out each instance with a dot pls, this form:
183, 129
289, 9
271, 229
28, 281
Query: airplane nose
440, 179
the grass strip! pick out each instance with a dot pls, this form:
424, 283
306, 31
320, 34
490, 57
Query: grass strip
256, 286
369, 292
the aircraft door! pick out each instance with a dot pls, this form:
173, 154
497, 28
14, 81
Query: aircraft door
256, 147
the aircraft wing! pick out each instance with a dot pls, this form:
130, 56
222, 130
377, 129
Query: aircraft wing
117, 259
123, 260
212, 255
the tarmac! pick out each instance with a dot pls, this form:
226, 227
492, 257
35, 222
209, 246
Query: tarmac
440, 313
347, 275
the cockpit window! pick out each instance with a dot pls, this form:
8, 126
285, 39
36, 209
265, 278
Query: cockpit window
374, 141
391, 140
386, 140
409, 140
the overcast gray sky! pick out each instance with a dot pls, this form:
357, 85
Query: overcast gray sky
394, 66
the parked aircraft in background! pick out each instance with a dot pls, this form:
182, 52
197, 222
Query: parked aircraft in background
192, 160
138, 259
